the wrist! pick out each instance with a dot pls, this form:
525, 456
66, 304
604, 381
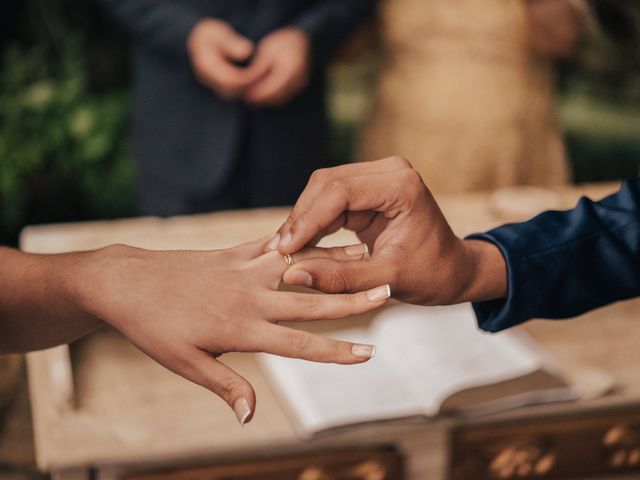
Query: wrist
487, 272
89, 274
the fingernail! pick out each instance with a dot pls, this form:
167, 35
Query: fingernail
363, 351
299, 277
379, 293
356, 250
286, 239
241, 407
273, 243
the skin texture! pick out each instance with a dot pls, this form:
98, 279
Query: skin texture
182, 308
278, 68
215, 48
281, 65
555, 27
412, 246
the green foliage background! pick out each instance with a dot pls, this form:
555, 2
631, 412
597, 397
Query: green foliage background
63, 141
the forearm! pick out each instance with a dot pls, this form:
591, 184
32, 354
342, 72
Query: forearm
39, 302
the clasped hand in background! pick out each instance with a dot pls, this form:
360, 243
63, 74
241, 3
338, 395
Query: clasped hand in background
278, 65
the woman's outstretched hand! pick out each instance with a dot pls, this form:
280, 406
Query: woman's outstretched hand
182, 308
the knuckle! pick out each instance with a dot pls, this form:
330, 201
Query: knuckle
412, 181
400, 161
338, 186
319, 176
336, 282
310, 303
353, 300
341, 350
227, 387
299, 342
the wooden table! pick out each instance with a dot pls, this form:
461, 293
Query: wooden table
101, 406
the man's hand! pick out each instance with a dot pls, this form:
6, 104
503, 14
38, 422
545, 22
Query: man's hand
183, 309
214, 48
412, 247
281, 67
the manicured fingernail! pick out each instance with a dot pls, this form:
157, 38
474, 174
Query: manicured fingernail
242, 409
273, 243
379, 293
356, 250
299, 277
286, 239
363, 351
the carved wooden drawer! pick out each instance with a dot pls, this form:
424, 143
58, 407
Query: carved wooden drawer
607, 443
353, 464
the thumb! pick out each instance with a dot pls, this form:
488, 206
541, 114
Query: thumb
227, 384
235, 46
335, 276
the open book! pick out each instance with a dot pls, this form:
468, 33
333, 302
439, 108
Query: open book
428, 360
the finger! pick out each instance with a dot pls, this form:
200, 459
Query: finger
259, 68
253, 249
332, 276
224, 382
268, 269
228, 77
270, 266
288, 342
350, 252
356, 222
376, 192
292, 307
225, 78
311, 196
270, 88
235, 46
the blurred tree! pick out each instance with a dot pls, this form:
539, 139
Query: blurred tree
63, 117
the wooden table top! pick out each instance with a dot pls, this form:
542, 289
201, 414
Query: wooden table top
110, 404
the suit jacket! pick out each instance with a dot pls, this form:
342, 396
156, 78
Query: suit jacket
186, 138
562, 264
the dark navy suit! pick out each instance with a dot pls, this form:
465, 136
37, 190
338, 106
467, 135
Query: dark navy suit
197, 152
562, 264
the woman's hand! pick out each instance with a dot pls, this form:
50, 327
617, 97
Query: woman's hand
412, 246
185, 308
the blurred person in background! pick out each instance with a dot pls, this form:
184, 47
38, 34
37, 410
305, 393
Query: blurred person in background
230, 98
466, 90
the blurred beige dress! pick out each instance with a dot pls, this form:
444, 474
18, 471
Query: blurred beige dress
461, 96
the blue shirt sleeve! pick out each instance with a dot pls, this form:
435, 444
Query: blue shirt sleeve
562, 264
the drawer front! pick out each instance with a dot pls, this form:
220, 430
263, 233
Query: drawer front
348, 464
603, 443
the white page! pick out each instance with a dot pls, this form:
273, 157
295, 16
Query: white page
322, 396
440, 351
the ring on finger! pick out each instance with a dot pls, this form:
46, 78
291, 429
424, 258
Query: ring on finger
288, 259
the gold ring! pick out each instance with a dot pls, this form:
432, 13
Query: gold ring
288, 259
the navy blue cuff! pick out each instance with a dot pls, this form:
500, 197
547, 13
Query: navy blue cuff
496, 315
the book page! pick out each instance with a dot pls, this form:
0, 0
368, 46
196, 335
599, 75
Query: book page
437, 351
321, 396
